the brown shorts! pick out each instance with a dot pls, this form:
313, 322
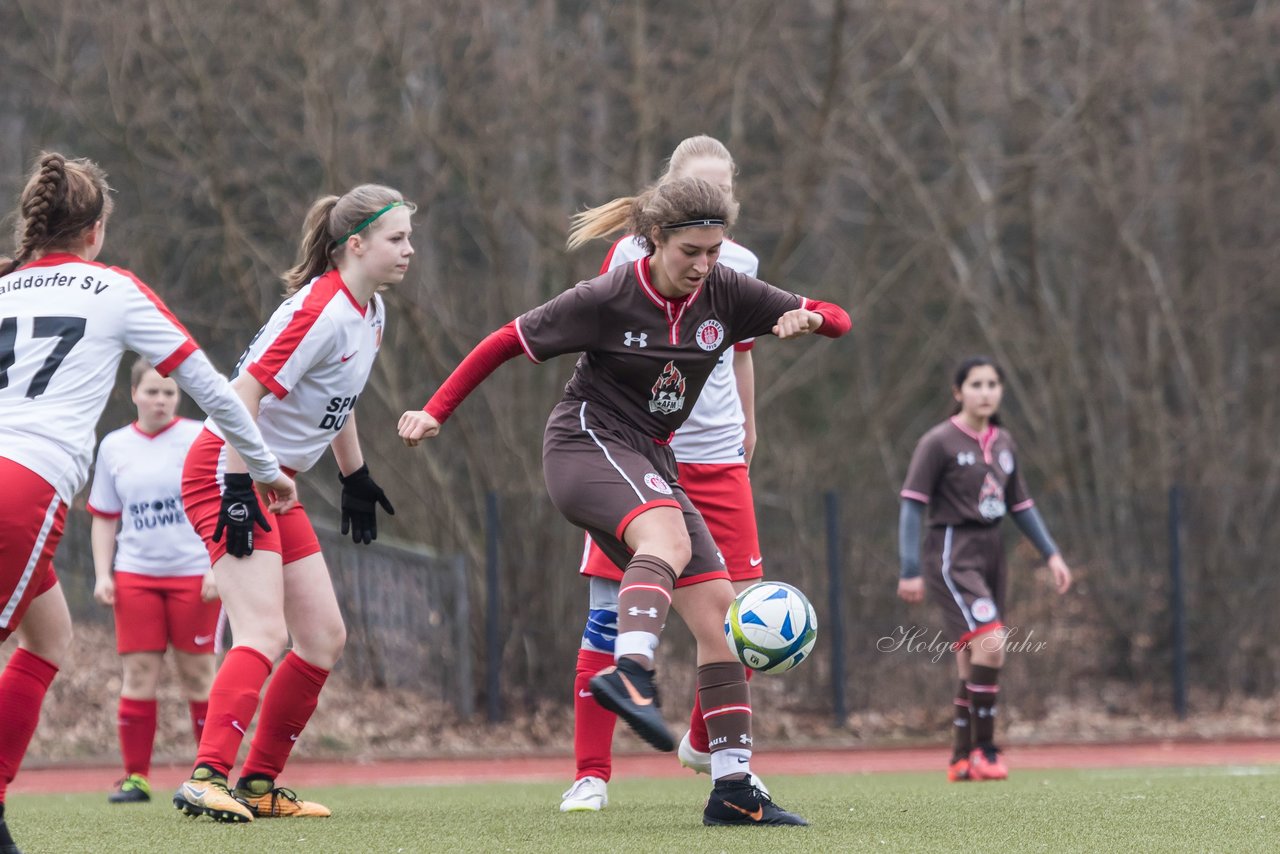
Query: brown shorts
964, 571
601, 474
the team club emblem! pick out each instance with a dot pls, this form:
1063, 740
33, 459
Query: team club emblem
668, 391
983, 609
991, 499
709, 335
656, 483
1006, 461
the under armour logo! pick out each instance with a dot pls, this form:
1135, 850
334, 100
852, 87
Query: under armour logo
744, 738
966, 458
643, 612
641, 340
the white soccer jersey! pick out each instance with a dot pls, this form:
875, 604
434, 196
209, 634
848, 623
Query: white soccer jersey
714, 431
315, 355
138, 480
64, 324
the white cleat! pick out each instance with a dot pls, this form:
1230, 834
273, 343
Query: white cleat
695, 759
589, 794
700, 762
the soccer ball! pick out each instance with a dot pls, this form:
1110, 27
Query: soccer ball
771, 627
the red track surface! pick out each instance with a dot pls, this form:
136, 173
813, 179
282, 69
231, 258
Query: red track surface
560, 768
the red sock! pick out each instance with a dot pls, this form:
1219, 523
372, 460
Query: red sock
232, 702
291, 698
137, 724
698, 738
199, 714
22, 688
592, 723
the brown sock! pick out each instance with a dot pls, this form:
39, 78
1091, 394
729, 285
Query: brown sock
644, 598
983, 694
960, 729
726, 708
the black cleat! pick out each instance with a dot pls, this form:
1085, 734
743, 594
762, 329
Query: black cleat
628, 691
133, 789
7, 845
738, 803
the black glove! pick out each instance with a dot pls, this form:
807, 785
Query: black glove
359, 494
239, 512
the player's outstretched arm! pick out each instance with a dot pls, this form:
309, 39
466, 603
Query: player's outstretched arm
416, 425
483, 360
825, 318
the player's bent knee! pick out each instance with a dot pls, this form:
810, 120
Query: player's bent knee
601, 630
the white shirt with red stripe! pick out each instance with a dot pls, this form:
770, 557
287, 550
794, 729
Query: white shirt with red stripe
138, 480
64, 324
314, 355
714, 431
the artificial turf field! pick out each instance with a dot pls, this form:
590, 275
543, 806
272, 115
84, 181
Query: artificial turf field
1221, 809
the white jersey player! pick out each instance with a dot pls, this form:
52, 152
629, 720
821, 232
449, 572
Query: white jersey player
301, 376
154, 573
65, 322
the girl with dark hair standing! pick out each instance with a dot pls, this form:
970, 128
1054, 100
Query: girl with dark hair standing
966, 471
65, 322
300, 378
650, 334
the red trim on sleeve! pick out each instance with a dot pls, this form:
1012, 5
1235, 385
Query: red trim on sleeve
914, 496
835, 320
178, 356
273, 359
484, 359
102, 514
608, 258
260, 374
745, 346
1025, 505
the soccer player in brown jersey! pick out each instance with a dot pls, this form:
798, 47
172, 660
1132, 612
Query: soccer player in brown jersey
966, 471
650, 334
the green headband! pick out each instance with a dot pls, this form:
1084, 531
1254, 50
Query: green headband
366, 223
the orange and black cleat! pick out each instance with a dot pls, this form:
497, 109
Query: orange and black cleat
628, 691
985, 764
739, 803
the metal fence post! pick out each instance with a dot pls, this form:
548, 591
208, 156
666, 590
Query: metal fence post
835, 607
493, 610
462, 639
1177, 603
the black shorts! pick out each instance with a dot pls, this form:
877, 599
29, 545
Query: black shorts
964, 571
601, 474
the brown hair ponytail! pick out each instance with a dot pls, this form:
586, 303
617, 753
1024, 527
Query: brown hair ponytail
662, 205
61, 200
330, 222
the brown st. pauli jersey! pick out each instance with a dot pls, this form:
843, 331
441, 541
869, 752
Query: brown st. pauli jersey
964, 477
644, 357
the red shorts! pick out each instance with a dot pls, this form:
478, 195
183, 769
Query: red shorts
152, 613
722, 494
291, 535
30, 529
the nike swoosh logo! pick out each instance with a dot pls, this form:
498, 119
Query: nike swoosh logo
349, 355
293, 738
757, 560
192, 794
743, 761
201, 640
635, 695
754, 816
584, 694
236, 725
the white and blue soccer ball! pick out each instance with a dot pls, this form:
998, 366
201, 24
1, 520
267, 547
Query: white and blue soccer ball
771, 627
